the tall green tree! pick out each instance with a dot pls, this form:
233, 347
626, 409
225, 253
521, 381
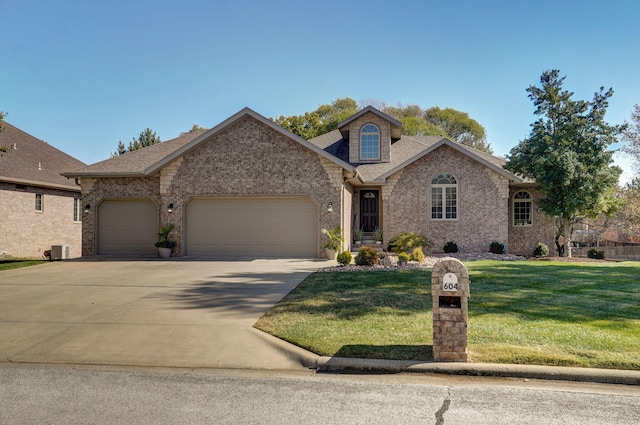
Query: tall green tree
567, 154
323, 120
449, 123
146, 138
460, 127
413, 122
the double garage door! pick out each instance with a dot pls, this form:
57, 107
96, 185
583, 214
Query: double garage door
215, 227
251, 227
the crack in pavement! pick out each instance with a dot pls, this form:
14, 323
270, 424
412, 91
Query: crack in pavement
443, 409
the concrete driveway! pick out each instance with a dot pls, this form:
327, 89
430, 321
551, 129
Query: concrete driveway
175, 313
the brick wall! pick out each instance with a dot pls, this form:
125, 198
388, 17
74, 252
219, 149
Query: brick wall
97, 190
245, 159
523, 239
24, 232
482, 202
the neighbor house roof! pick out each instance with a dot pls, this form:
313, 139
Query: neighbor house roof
151, 159
31, 161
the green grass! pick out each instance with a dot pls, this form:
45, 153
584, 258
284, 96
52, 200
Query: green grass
527, 312
16, 263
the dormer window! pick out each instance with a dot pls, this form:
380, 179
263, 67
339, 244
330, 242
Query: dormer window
370, 142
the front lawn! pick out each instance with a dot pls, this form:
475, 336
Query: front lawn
16, 263
527, 312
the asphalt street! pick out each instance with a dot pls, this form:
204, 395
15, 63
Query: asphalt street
65, 395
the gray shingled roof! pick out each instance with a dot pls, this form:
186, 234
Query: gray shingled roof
331, 145
403, 152
148, 160
34, 162
135, 163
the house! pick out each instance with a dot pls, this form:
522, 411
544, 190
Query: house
39, 208
248, 187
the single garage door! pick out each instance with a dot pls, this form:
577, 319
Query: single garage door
127, 228
252, 227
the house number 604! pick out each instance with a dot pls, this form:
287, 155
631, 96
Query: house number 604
450, 282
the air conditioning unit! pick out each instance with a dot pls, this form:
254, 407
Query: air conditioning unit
60, 252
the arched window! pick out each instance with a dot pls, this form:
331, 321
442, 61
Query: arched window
522, 205
370, 142
444, 197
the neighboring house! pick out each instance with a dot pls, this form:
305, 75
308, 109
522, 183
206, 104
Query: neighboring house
39, 207
248, 187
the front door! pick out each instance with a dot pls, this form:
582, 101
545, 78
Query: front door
369, 211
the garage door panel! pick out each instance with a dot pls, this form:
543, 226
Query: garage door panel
272, 227
127, 227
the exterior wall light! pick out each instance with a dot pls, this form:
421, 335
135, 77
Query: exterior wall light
87, 208
330, 207
170, 208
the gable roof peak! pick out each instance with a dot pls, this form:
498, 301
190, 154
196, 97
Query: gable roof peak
151, 159
396, 126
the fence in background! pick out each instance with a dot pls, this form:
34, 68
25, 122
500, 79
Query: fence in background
612, 252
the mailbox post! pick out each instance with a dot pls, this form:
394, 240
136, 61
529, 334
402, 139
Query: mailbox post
450, 292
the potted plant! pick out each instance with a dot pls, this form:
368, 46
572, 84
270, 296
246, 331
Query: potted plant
165, 242
377, 235
335, 242
357, 235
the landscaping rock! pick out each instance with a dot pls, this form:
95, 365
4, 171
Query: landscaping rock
390, 262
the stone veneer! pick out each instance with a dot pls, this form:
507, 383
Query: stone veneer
450, 312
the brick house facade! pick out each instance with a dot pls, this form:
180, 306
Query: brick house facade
247, 187
38, 207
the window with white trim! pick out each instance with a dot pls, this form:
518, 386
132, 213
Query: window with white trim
77, 209
444, 197
370, 142
39, 202
522, 208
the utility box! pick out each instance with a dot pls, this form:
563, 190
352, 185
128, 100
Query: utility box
60, 252
450, 291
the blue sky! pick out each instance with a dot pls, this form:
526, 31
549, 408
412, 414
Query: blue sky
83, 75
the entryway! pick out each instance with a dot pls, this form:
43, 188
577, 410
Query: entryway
369, 210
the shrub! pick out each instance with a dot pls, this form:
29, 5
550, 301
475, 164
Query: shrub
367, 256
403, 257
344, 258
596, 253
542, 250
417, 255
496, 247
407, 242
450, 247
164, 237
335, 238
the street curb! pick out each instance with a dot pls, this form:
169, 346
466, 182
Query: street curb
602, 376
355, 365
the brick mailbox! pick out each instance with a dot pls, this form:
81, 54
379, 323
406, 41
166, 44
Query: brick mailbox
450, 292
